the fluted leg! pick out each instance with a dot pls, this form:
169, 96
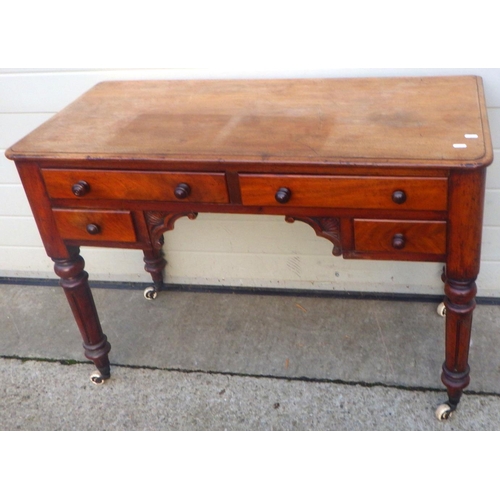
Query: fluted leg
464, 230
154, 264
74, 281
460, 302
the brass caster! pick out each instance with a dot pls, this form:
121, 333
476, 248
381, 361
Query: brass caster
444, 412
97, 378
441, 310
150, 293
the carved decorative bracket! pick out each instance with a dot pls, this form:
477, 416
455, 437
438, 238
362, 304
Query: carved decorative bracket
326, 227
159, 222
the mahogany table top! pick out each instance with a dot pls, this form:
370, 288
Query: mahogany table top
363, 121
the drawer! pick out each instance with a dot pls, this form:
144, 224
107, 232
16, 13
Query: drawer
400, 236
95, 225
404, 193
146, 186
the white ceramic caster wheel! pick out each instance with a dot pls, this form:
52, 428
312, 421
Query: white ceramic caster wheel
443, 412
96, 378
150, 293
441, 310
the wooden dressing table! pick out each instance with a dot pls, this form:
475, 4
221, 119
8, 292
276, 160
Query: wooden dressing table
384, 168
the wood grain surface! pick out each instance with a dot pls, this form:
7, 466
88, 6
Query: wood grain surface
365, 120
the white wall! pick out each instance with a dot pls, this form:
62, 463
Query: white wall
220, 249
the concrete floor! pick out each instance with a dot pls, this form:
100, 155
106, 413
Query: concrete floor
222, 361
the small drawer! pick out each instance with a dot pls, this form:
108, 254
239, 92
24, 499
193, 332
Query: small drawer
95, 225
399, 193
427, 237
197, 187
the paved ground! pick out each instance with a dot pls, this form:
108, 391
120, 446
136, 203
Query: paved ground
217, 361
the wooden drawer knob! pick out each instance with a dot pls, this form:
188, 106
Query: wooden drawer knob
182, 191
398, 241
81, 188
399, 197
283, 195
93, 229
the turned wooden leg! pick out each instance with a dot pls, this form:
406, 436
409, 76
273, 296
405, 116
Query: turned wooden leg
154, 264
460, 302
158, 223
74, 281
464, 229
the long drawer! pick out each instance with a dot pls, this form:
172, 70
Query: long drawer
144, 186
395, 236
405, 193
